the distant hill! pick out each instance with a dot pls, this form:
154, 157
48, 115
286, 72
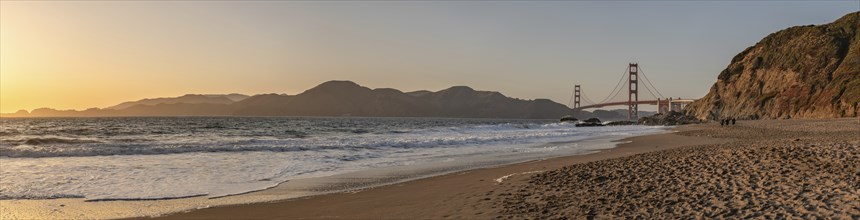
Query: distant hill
800, 72
333, 98
175, 109
345, 98
188, 99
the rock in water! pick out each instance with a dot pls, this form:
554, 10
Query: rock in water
808, 71
568, 118
592, 120
616, 123
670, 118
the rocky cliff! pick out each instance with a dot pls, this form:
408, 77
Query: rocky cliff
801, 72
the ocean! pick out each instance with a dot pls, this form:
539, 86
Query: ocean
142, 158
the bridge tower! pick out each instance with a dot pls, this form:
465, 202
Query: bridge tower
576, 91
633, 95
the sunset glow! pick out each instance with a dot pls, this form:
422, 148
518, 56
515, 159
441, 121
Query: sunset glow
77, 55
472, 109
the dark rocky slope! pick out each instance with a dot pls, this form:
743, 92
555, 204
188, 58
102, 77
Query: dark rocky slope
801, 72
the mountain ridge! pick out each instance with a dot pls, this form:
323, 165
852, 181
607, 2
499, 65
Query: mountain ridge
332, 98
187, 98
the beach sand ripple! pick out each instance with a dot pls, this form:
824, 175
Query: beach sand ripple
773, 169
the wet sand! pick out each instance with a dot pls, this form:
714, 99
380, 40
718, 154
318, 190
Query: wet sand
468, 194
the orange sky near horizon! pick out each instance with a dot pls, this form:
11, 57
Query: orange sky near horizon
78, 55
84, 54
69, 61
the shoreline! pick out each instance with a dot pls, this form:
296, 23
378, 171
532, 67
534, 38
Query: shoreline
442, 196
788, 155
351, 181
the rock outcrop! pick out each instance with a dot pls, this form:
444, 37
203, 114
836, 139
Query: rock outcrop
669, 118
801, 72
609, 115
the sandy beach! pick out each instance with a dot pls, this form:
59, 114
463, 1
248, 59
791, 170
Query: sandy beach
800, 168
773, 169
466, 194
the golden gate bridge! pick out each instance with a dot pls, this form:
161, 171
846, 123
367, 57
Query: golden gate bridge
632, 74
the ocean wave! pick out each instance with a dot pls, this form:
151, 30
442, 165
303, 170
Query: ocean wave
77, 131
42, 141
165, 158
149, 136
422, 138
9, 132
45, 141
51, 196
144, 199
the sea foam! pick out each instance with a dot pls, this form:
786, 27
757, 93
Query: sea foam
237, 157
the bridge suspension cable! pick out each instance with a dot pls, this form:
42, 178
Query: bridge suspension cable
652, 85
649, 91
616, 90
572, 93
586, 98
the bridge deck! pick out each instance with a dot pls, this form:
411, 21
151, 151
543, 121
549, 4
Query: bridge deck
624, 103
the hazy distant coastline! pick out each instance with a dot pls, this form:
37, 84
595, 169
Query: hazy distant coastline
340, 98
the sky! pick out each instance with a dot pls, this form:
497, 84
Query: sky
81, 54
